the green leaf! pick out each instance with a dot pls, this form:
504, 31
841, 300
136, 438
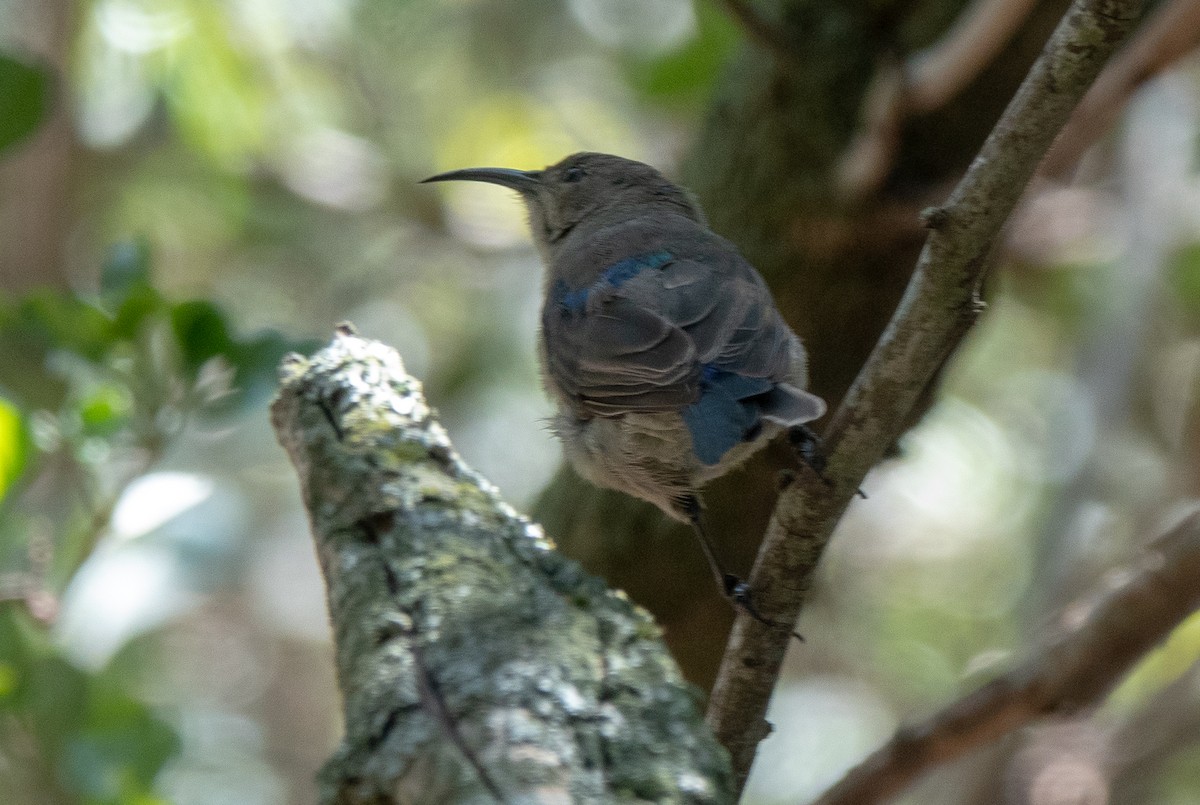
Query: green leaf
23, 99
201, 332
687, 73
257, 359
1184, 277
56, 321
54, 695
9, 677
20, 639
141, 302
20, 643
106, 745
14, 446
36, 326
118, 754
126, 290
105, 409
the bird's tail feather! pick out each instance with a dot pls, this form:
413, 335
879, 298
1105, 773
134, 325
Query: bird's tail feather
787, 405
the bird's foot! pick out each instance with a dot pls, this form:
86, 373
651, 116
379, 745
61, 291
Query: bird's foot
810, 451
737, 592
808, 448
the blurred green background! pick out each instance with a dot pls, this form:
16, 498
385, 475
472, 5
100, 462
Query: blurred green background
189, 189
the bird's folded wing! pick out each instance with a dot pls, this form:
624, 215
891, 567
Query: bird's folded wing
727, 311
619, 357
668, 305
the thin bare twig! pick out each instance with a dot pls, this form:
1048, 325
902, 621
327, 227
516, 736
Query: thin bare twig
1067, 675
938, 308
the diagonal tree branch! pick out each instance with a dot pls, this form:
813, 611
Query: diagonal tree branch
1067, 675
476, 664
937, 310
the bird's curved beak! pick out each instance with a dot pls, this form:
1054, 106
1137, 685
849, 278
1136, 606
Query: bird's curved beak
521, 181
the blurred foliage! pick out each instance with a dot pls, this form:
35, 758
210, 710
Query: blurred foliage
1164, 665
1184, 275
248, 168
258, 156
687, 74
80, 736
14, 445
1181, 777
23, 94
90, 377
96, 387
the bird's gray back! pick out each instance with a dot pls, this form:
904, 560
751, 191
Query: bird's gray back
638, 310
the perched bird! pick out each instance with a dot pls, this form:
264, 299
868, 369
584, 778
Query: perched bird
660, 343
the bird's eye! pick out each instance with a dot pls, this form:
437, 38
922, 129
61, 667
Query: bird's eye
572, 174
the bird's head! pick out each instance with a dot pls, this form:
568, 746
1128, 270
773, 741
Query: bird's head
585, 188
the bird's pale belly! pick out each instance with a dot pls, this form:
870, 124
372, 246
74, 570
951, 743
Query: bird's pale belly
647, 455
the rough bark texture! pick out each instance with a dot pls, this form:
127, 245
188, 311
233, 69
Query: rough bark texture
764, 166
476, 664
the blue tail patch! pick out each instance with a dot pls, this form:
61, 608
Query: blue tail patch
724, 414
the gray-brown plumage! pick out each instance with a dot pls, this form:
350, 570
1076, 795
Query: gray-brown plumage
660, 344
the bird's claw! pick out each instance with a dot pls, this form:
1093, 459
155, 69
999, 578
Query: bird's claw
738, 593
808, 447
